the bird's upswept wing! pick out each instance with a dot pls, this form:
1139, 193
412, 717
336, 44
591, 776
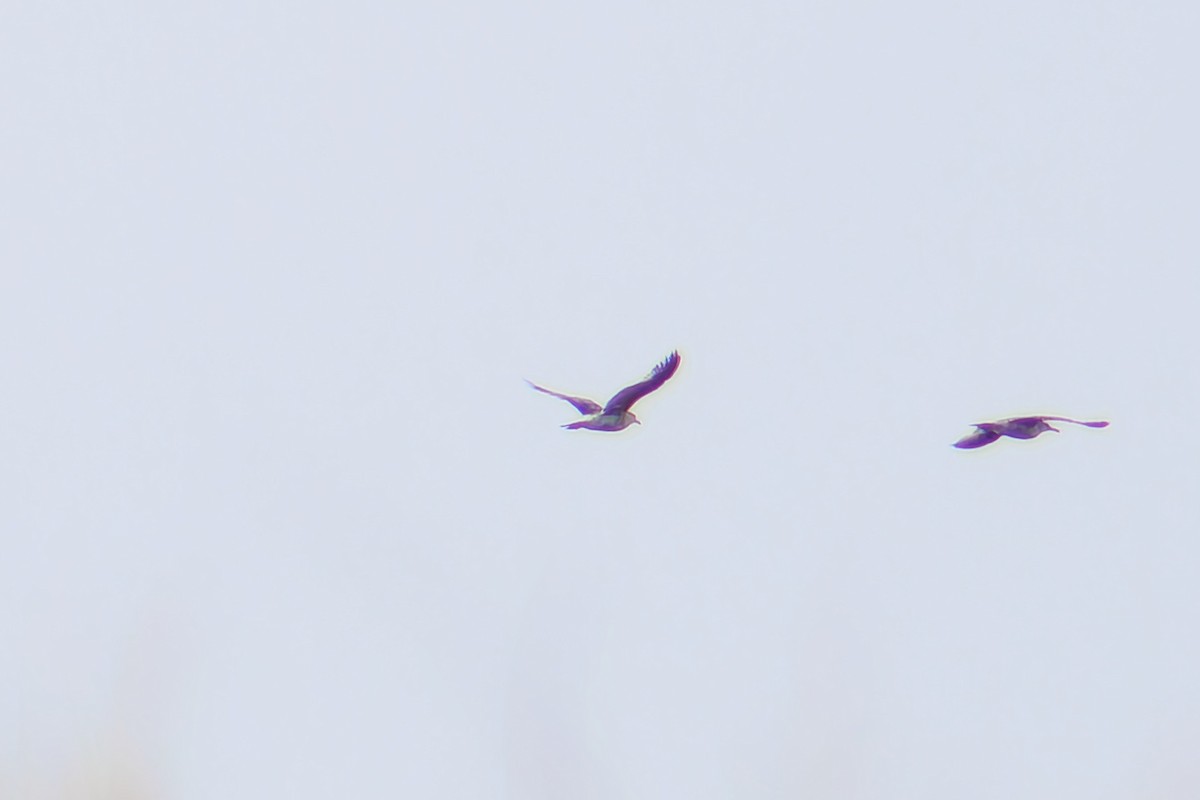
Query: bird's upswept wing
625, 398
977, 438
582, 404
1097, 424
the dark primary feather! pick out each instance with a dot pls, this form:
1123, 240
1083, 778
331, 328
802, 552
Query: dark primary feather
624, 399
582, 404
1097, 424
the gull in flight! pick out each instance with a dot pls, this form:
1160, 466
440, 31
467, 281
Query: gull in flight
616, 416
1017, 428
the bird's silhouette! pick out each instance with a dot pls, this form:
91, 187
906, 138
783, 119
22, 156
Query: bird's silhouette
1017, 428
615, 415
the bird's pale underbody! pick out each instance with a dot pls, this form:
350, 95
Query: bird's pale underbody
615, 415
1017, 428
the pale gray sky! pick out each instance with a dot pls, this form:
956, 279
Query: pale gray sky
280, 518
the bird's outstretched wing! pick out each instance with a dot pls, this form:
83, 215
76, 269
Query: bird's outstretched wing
625, 398
1097, 424
977, 438
582, 404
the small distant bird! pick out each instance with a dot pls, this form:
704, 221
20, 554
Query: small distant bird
616, 416
1017, 428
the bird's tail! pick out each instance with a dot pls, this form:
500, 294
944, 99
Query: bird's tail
573, 426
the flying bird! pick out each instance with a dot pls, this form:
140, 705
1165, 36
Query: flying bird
615, 415
1017, 428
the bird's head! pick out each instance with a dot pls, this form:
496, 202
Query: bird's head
633, 419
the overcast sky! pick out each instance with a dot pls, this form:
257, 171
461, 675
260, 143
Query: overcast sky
280, 519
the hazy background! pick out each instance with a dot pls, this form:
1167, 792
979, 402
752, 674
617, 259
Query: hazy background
279, 518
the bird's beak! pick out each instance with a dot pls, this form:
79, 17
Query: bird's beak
1056, 430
